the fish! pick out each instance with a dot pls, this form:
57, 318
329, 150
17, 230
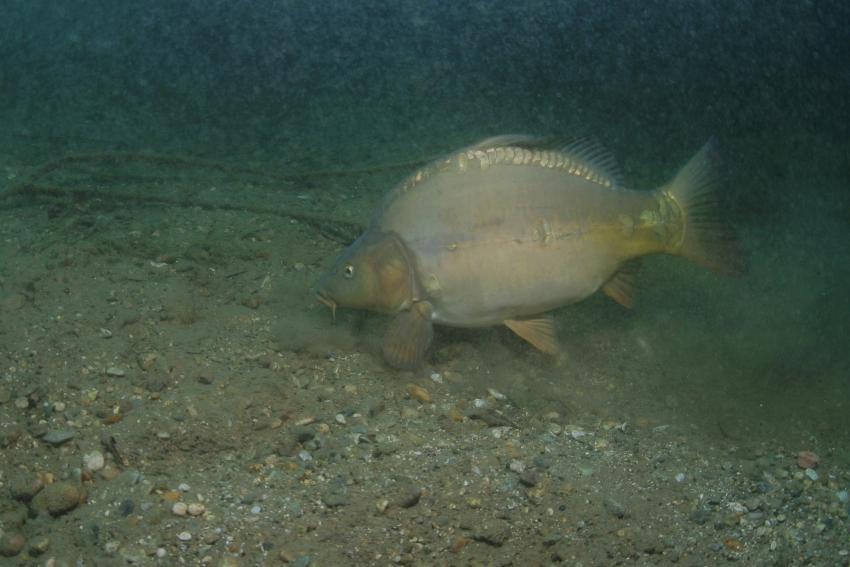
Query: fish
505, 231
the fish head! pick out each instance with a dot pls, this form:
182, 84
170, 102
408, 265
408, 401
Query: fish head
374, 273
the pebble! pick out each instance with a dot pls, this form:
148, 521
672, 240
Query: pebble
528, 478
807, 460
147, 360
419, 393
843, 496
94, 461
25, 486
184, 536
335, 495
57, 437
115, 372
59, 498
22, 402
59, 407
179, 509
408, 495
493, 532
39, 546
614, 508
11, 543
196, 509
497, 394
183, 487
812, 474
14, 302
576, 433
680, 477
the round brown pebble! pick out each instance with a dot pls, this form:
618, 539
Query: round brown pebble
807, 460
59, 498
11, 544
419, 393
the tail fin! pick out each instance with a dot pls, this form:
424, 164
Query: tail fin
707, 238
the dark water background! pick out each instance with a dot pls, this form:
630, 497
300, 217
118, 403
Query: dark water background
300, 84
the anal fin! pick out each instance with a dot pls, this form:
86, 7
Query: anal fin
408, 337
539, 331
621, 286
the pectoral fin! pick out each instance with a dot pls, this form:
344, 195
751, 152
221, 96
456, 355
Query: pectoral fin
408, 337
539, 331
621, 287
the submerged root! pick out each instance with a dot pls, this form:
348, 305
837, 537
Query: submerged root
148, 178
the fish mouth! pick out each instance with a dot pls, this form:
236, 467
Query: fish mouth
327, 301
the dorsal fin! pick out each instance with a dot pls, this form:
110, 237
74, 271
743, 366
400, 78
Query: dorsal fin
505, 140
594, 155
583, 150
584, 158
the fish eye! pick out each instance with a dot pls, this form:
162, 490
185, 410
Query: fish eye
348, 271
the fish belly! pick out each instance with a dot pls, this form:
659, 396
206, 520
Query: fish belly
485, 285
511, 241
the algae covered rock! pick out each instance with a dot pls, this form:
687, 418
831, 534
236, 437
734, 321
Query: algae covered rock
59, 498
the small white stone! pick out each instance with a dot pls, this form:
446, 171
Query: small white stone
196, 509
340, 419
183, 487
737, 508
517, 466
111, 547
577, 433
184, 536
843, 496
115, 372
812, 474
94, 461
180, 509
160, 552
59, 407
680, 477
22, 403
256, 509
497, 394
